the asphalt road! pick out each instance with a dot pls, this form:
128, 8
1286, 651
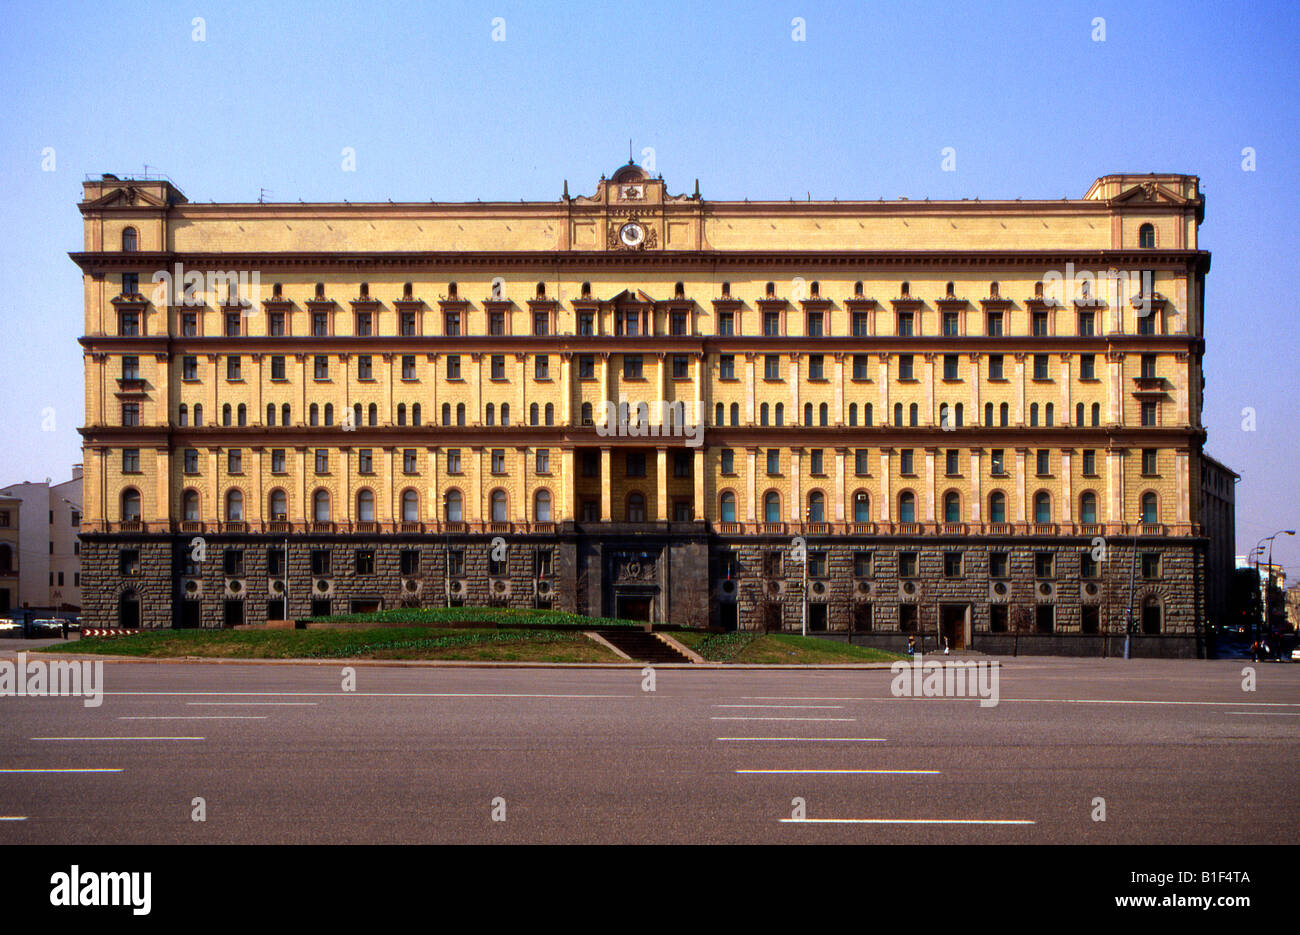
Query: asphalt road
280, 754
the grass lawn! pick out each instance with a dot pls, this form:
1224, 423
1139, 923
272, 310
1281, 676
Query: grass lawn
778, 649
387, 643
505, 616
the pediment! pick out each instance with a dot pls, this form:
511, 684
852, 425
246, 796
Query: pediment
1150, 193
127, 196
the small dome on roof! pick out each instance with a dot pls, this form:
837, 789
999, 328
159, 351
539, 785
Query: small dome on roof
630, 173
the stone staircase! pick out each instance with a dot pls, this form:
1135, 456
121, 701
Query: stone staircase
643, 646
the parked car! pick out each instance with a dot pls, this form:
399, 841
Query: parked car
45, 628
10, 627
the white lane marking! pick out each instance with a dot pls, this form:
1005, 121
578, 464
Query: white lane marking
13, 817
816, 739
825, 706
282, 704
1238, 704
855, 772
906, 821
343, 694
96, 769
118, 738
192, 717
799, 698
742, 717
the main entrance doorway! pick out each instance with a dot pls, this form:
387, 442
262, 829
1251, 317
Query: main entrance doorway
633, 607
954, 625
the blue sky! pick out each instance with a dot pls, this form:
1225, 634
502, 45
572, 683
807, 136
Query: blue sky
1033, 106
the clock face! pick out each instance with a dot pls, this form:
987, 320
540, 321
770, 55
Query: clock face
631, 234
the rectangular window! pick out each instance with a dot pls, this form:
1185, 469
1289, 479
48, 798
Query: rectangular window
771, 324
586, 367
861, 367
543, 461
130, 413
861, 325
1149, 461
409, 464
999, 565
453, 367
320, 324
277, 367
1040, 366
130, 367
816, 564
771, 367
541, 323
814, 324
232, 324
905, 465
635, 464
498, 460
816, 367
277, 461
406, 324
1149, 413
905, 367
322, 461
498, 367
320, 562
632, 367
409, 561
189, 324
950, 324
952, 564
234, 371
1043, 458
907, 564
1038, 324
815, 462
726, 367
235, 461
1043, 564
363, 324
726, 323
1089, 462
541, 367
1087, 565
131, 460
451, 324
1148, 367
677, 325
365, 559
993, 324
905, 324
1087, 366
861, 462
365, 367
233, 562
950, 366
862, 564
408, 366
191, 461
951, 462
681, 367
365, 461
321, 363
189, 368
682, 463
1150, 565
727, 461
995, 367
453, 460
128, 324
774, 461
496, 323
591, 464
1087, 324
997, 462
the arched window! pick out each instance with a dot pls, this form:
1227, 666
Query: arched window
1096, 414
997, 507
235, 506
1088, 507
1151, 615
446, 413
550, 413
1004, 415
816, 507
542, 506
270, 413
853, 415
130, 505
365, 506
1149, 507
279, 505
823, 414
284, 414
735, 413
906, 507
866, 415
636, 507
1078, 414
1049, 415
130, 240
500, 510
190, 506
452, 511
898, 414
460, 413
320, 506
718, 412
1146, 236
183, 415
1033, 414
988, 414
780, 414
415, 414
952, 507
225, 414
762, 414
1042, 507
913, 414
727, 507
410, 506
960, 415
534, 414
198, 414
241, 415
373, 414
356, 415
861, 507
772, 507
329, 413
401, 414
808, 414
586, 414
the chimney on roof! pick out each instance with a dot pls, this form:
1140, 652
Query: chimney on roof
76, 472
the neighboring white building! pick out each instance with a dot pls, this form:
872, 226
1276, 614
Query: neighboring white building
49, 551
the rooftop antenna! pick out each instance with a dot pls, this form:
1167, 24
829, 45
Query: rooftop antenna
629, 150
147, 167
261, 195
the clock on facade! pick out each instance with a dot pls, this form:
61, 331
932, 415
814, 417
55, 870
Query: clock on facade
631, 234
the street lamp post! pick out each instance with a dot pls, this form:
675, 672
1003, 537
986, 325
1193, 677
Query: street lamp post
1268, 580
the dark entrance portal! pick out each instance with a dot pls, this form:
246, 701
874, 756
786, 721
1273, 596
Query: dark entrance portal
634, 608
952, 622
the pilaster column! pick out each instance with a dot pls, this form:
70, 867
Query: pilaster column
976, 485
886, 493
661, 484
1019, 516
929, 484
751, 514
606, 485
839, 485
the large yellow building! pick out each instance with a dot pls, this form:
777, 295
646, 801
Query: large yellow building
971, 420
